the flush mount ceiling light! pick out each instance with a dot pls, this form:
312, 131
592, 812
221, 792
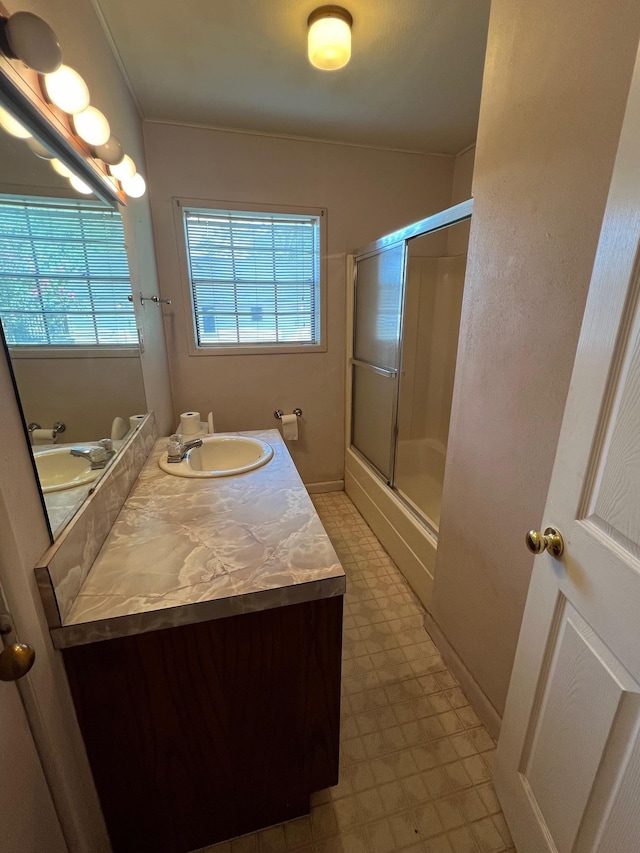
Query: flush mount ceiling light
329, 41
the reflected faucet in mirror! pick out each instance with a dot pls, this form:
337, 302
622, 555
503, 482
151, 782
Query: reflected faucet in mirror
98, 456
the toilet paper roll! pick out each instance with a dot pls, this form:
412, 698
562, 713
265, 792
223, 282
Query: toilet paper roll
290, 427
42, 436
190, 423
136, 420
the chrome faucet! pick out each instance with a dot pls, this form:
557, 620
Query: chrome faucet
97, 456
177, 449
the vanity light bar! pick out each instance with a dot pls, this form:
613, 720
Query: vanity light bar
30, 39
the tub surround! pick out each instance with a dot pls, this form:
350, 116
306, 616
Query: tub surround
183, 551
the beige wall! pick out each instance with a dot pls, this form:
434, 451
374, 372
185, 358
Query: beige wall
555, 86
367, 193
85, 47
84, 393
463, 175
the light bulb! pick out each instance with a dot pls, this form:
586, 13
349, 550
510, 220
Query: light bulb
329, 42
39, 149
59, 167
111, 152
80, 185
12, 126
134, 187
66, 89
33, 41
125, 170
92, 126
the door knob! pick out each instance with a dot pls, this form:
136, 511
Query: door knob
551, 540
15, 661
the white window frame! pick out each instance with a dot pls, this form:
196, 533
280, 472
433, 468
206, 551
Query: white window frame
187, 297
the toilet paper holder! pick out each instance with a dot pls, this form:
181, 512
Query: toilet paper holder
279, 413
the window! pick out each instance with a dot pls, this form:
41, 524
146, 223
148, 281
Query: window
64, 275
254, 278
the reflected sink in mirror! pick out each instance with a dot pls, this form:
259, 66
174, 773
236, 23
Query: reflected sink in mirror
220, 456
58, 469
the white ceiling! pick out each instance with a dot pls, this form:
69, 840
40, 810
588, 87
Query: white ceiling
413, 82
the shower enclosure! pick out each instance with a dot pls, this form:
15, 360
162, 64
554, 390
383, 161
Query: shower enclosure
406, 314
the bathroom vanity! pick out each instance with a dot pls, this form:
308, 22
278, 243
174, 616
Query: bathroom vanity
203, 652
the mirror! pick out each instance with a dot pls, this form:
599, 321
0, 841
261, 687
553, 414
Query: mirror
68, 324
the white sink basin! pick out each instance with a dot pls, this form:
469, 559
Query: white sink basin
220, 456
58, 469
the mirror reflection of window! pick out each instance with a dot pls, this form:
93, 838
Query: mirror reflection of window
69, 327
65, 276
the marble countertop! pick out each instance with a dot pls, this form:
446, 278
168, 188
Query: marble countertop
187, 550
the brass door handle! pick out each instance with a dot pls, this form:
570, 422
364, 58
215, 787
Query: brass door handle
551, 540
15, 661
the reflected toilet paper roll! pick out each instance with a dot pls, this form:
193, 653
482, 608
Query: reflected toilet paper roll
42, 436
136, 420
289, 427
190, 423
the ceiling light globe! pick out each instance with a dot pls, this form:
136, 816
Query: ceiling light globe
124, 170
92, 126
135, 187
66, 89
59, 167
12, 126
329, 42
79, 185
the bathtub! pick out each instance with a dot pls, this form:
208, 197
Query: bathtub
410, 541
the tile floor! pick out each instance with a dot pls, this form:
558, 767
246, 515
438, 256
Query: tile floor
415, 765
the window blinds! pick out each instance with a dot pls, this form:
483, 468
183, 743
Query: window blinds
64, 275
255, 277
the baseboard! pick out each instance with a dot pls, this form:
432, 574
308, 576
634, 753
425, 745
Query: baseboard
481, 704
321, 488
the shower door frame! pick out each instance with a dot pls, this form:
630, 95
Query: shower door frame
436, 222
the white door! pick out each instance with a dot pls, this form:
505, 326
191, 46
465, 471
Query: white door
568, 761
28, 820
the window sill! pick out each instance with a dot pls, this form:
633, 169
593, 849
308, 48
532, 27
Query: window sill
258, 349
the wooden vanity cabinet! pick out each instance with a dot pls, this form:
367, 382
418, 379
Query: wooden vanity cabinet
206, 731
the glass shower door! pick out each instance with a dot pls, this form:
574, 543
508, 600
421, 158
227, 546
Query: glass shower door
435, 272
378, 311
